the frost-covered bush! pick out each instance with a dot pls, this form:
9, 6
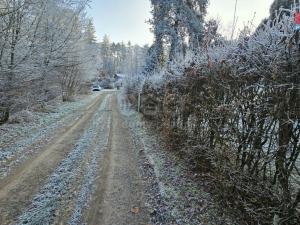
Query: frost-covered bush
233, 107
36, 54
155, 81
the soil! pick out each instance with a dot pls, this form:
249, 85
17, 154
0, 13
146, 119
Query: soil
102, 168
116, 193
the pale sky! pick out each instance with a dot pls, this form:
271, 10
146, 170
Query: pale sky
124, 20
223, 11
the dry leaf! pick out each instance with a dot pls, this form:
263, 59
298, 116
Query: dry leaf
135, 210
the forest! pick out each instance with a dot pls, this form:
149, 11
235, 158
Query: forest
229, 108
49, 49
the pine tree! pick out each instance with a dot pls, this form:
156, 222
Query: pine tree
175, 21
90, 32
106, 56
90, 51
195, 11
161, 28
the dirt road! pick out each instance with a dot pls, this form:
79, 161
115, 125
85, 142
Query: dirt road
87, 174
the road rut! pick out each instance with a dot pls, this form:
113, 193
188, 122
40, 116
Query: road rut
88, 175
17, 189
119, 199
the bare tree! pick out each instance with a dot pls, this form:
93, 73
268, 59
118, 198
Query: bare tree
37, 38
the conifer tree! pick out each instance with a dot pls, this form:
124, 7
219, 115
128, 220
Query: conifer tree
91, 32
174, 22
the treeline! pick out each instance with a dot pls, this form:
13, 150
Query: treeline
121, 57
231, 109
47, 48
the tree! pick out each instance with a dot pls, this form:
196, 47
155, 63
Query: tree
90, 52
121, 58
174, 22
39, 38
161, 28
90, 33
106, 56
277, 4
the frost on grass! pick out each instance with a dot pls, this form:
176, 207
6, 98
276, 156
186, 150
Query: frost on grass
17, 138
89, 177
47, 204
185, 200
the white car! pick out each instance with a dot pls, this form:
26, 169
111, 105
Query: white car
96, 88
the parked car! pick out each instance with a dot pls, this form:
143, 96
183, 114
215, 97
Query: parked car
96, 88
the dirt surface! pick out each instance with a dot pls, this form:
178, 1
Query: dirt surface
120, 198
104, 167
88, 173
20, 141
174, 193
17, 189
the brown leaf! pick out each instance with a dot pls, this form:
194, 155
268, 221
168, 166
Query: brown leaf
135, 210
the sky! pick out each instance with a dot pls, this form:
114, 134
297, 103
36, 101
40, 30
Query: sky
125, 20
122, 20
253, 11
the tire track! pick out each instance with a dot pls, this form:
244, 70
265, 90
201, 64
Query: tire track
17, 190
89, 176
119, 187
48, 206
26, 148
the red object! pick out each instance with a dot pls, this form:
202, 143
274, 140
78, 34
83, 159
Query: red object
297, 18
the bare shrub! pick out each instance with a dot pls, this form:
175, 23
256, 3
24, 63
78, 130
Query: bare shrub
70, 82
235, 111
